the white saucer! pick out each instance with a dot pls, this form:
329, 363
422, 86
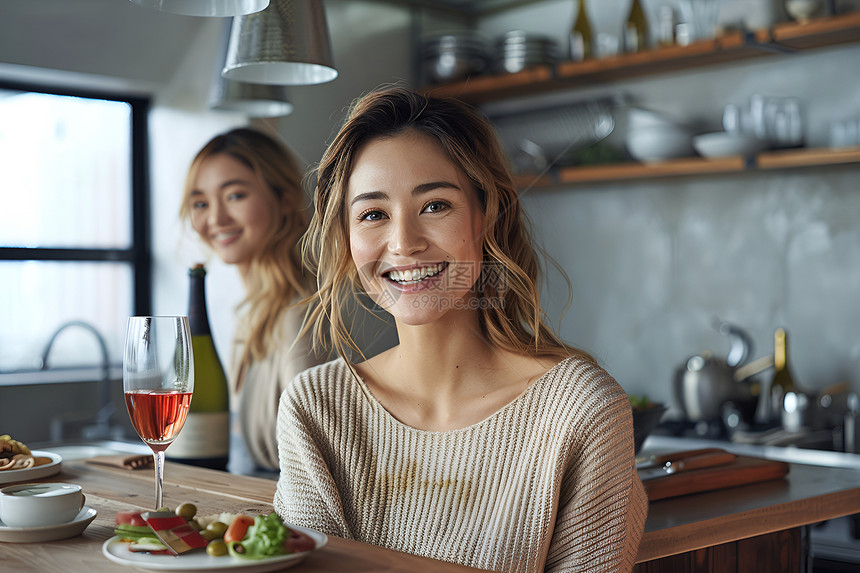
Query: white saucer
49, 532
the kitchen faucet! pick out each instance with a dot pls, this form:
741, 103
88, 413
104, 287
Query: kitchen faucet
101, 428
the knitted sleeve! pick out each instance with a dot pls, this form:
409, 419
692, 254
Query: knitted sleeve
602, 505
306, 494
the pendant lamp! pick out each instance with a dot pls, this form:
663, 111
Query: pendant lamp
285, 44
254, 100
214, 8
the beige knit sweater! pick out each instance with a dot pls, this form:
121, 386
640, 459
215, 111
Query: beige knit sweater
255, 404
549, 478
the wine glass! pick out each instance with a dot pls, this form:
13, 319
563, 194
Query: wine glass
158, 381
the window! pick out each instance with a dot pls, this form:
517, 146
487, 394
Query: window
74, 225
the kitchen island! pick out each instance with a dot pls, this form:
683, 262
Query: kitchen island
714, 531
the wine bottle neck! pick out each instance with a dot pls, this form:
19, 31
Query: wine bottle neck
779, 350
198, 317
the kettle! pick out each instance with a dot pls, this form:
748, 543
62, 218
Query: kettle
705, 385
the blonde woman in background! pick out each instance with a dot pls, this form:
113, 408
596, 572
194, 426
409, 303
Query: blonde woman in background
481, 438
243, 196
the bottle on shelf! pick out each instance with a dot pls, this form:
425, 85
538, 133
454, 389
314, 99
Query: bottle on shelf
636, 29
205, 438
666, 26
783, 381
581, 40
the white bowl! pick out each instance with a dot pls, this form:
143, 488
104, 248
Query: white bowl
802, 10
726, 144
658, 143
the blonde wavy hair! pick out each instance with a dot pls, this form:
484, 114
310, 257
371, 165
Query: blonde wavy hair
279, 280
470, 142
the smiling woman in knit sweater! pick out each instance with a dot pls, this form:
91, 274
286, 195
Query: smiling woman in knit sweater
481, 438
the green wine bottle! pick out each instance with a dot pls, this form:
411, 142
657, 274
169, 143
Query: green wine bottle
205, 438
636, 29
581, 41
783, 380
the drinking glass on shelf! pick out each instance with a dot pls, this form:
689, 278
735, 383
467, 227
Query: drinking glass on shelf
158, 381
702, 16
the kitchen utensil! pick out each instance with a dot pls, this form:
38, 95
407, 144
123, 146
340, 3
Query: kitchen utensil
703, 15
658, 460
40, 504
544, 137
659, 143
726, 144
687, 463
454, 56
518, 50
743, 470
803, 10
704, 383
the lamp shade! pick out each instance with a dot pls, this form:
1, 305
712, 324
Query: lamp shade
285, 44
214, 8
254, 100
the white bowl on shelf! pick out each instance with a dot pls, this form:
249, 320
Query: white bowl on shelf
727, 144
659, 143
802, 10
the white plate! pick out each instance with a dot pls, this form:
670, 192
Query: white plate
198, 560
49, 532
45, 470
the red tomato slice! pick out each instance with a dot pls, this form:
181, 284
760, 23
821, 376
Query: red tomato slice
298, 542
238, 528
130, 518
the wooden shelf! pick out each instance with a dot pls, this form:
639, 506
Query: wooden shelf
731, 47
765, 161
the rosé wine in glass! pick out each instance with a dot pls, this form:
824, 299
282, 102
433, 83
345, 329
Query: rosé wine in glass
158, 381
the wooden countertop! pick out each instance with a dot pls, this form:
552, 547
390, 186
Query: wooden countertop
807, 495
109, 490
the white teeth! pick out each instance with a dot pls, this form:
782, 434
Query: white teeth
415, 275
223, 236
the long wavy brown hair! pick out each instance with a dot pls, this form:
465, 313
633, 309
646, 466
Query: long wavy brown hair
278, 278
468, 139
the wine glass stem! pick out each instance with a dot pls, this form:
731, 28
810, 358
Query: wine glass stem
159, 478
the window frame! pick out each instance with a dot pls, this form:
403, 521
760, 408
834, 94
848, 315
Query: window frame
139, 253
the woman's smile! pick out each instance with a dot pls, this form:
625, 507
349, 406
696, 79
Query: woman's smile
423, 276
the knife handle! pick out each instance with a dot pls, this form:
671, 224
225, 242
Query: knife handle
676, 456
702, 461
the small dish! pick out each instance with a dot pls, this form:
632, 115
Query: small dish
36, 472
659, 143
49, 532
726, 144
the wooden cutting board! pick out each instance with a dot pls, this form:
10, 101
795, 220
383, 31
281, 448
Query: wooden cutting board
744, 470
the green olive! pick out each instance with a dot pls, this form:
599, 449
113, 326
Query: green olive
217, 527
186, 511
216, 548
209, 534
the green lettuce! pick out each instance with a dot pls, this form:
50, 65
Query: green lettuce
264, 539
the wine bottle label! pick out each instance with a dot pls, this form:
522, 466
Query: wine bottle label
577, 47
204, 435
631, 38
